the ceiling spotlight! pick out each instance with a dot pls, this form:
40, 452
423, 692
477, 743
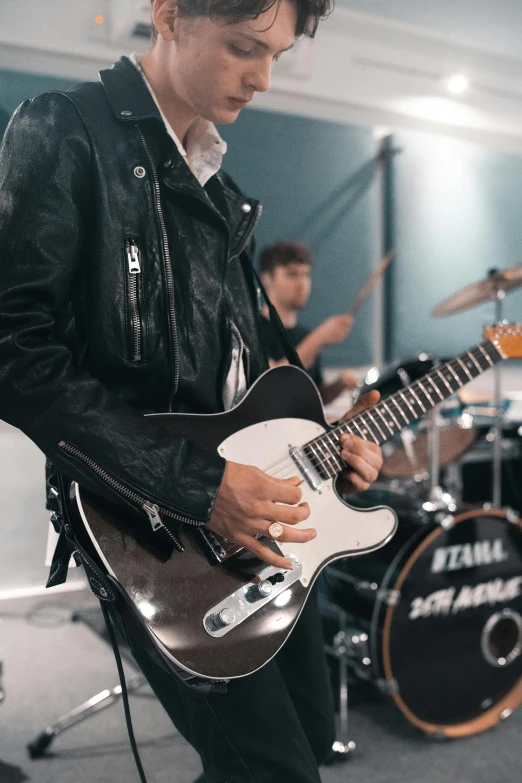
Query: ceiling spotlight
99, 19
457, 84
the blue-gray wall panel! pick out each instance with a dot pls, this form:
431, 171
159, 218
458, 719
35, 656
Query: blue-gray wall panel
458, 214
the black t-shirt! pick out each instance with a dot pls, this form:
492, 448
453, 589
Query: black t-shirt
275, 351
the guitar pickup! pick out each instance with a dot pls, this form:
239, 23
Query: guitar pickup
307, 468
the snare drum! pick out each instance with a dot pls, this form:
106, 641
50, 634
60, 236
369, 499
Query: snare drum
435, 618
407, 454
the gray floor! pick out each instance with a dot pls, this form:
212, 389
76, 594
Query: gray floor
51, 665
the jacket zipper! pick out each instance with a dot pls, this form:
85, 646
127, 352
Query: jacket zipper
151, 509
134, 268
248, 363
168, 269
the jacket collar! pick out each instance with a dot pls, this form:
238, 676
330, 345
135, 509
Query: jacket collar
131, 102
127, 93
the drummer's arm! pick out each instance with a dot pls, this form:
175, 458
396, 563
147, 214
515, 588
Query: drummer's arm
333, 330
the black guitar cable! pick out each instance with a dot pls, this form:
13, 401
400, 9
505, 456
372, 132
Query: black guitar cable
124, 694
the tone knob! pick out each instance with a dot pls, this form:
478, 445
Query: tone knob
260, 590
221, 619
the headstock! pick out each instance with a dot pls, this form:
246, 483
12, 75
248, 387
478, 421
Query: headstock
508, 339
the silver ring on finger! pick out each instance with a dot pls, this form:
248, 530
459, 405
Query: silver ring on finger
275, 531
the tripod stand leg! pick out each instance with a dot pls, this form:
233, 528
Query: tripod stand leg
343, 746
106, 698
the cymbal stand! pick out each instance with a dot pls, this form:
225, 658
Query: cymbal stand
496, 431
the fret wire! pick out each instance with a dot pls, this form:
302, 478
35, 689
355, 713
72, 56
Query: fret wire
361, 433
477, 365
338, 462
321, 464
401, 394
470, 376
368, 425
327, 455
376, 409
452, 371
391, 414
417, 400
392, 399
496, 350
367, 428
430, 379
381, 433
487, 357
419, 383
452, 391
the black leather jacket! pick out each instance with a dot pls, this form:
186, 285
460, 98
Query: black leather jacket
120, 276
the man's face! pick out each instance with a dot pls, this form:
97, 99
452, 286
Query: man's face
289, 286
216, 67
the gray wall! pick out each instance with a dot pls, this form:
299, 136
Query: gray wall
458, 213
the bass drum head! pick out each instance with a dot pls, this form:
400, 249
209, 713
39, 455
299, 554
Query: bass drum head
451, 644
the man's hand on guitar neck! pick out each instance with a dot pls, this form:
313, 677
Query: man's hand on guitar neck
363, 458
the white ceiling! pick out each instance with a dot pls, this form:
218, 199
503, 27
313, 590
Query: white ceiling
490, 25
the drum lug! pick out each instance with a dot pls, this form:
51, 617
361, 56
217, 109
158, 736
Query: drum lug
389, 597
505, 714
446, 521
511, 515
388, 687
438, 734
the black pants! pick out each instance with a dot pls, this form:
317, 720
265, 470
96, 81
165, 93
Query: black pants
274, 726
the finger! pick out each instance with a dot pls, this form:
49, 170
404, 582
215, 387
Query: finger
288, 515
369, 451
366, 471
284, 490
292, 535
356, 481
263, 552
364, 402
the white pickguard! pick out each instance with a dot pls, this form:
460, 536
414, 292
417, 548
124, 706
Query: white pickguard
341, 529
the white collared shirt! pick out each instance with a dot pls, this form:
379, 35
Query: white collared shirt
204, 156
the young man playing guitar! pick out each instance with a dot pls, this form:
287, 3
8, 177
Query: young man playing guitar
126, 289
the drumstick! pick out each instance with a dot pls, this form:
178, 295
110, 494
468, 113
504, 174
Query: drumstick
371, 282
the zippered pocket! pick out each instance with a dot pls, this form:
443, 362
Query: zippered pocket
152, 510
133, 260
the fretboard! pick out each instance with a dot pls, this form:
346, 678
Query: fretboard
399, 410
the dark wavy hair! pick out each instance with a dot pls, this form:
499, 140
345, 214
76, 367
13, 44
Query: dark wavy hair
283, 254
309, 12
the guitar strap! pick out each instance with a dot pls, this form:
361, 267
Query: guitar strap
286, 343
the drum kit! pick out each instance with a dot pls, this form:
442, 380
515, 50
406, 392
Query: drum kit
434, 619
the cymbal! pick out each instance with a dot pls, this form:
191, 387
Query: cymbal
483, 291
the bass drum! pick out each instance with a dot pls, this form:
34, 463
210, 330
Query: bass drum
407, 454
435, 618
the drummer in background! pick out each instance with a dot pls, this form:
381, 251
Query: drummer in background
285, 270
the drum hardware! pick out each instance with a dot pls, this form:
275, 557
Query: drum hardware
343, 747
493, 288
388, 687
389, 597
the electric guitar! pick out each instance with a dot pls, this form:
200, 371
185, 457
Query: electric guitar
214, 610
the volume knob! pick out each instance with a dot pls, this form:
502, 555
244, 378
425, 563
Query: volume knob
261, 590
221, 619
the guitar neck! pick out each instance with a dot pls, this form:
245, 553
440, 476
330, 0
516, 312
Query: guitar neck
399, 410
